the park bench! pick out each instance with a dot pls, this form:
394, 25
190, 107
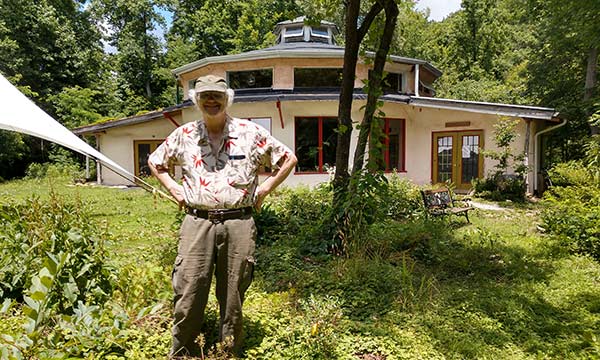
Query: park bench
439, 202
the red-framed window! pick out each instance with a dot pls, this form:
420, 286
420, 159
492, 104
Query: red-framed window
315, 140
394, 141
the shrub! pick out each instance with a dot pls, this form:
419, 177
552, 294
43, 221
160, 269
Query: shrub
499, 184
572, 215
68, 170
301, 213
31, 231
572, 173
402, 198
499, 187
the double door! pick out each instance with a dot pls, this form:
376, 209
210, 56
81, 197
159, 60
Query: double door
457, 157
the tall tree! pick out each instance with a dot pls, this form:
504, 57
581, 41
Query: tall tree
371, 124
45, 46
139, 55
215, 27
354, 35
562, 69
48, 45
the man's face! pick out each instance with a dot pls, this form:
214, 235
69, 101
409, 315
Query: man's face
212, 102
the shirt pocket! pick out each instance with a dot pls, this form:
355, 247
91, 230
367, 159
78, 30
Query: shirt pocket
240, 170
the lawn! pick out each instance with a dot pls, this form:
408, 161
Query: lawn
492, 289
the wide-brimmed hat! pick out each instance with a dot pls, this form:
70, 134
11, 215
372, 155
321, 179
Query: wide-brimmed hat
210, 83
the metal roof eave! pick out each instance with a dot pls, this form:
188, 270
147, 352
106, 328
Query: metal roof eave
274, 53
131, 120
529, 112
258, 55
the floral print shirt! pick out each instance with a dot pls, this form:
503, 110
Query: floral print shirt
228, 179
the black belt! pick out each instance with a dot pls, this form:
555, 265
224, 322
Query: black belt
219, 215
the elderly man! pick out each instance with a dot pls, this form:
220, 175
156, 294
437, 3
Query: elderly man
220, 157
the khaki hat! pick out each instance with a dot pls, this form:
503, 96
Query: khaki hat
210, 83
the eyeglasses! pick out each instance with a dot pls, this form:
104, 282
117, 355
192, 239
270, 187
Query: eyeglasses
215, 95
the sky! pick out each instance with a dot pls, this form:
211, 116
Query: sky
439, 8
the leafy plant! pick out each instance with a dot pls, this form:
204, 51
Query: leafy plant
37, 229
507, 180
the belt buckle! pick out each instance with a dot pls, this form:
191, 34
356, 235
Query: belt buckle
216, 216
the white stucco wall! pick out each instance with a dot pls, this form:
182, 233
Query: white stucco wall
420, 123
117, 144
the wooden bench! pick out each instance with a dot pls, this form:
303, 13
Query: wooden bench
439, 202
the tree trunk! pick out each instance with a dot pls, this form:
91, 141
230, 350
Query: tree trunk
391, 16
340, 179
147, 61
590, 81
354, 36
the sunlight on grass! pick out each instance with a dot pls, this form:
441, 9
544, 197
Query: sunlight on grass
492, 289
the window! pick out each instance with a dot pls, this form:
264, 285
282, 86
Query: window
318, 77
142, 150
316, 141
319, 34
294, 34
264, 122
391, 83
251, 79
319, 31
393, 132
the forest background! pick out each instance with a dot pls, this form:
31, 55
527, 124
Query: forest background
93, 60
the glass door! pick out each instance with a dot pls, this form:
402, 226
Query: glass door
142, 150
457, 157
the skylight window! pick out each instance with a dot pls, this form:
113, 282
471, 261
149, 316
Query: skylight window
319, 31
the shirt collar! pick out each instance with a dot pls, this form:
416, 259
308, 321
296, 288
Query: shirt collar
229, 130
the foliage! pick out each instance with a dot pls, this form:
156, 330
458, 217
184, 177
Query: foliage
13, 150
571, 214
226, 26
76, 106
493, 289
139, 56
68, 170
507, 181
37, 229
572, 204
53, 44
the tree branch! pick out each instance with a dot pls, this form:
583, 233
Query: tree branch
366, 24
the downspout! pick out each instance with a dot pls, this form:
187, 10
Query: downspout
417, 80
176, 89
280, 116
538, 156
526, 149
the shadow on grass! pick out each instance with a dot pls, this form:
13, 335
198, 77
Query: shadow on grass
471, 299
496, 299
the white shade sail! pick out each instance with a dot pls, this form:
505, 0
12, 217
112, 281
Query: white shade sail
18, 113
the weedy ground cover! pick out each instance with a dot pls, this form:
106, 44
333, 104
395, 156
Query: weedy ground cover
416, 288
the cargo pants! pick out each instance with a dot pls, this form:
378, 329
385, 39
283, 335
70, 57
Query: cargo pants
225, 249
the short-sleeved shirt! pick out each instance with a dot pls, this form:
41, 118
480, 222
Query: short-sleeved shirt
229, 179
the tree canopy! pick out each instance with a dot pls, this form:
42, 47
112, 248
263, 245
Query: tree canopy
83, 61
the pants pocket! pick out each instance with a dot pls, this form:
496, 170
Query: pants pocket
176, 275
247, 274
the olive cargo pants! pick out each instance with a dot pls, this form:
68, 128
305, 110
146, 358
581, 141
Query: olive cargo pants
225, 248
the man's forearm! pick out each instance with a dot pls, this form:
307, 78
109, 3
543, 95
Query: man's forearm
167, 181
284, 171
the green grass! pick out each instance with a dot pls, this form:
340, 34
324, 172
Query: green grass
493, 289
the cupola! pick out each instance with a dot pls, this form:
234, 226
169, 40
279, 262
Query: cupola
297, 30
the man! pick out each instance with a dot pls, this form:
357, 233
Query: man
220, 157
